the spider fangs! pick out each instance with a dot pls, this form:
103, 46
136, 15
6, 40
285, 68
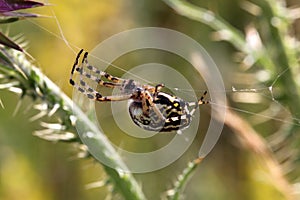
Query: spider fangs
150, 108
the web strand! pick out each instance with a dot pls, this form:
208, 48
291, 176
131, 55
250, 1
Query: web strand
74, 48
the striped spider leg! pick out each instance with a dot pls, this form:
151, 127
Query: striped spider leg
90, 92
129, 88
149, 107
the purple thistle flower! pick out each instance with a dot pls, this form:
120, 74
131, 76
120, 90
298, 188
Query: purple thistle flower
8, 15
12, 5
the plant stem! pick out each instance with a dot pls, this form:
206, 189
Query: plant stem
183, 178
34, 83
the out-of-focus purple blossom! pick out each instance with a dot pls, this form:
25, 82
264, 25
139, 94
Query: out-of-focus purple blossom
8, 15
12, 5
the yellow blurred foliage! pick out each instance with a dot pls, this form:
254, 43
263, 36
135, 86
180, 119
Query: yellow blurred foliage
19, 180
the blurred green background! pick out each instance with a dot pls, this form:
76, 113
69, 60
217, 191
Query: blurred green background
34, 169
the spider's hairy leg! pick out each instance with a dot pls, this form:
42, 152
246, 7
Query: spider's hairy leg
116, 82
99, 72
158, 87
147, 102
199, 102
86, 89
97, 79
75, 65
94, 95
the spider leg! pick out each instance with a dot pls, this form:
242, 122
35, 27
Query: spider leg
158, 87
98, 80
147, 102
153, 90
99, 72
75, 65
116, 82
113, 98
94, 95
87, 90
199, 102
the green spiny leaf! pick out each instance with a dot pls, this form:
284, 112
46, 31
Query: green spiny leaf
9, 43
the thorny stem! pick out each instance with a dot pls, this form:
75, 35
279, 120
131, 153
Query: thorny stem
174, 194
32, 82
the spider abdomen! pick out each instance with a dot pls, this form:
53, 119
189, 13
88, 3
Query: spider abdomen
173, 109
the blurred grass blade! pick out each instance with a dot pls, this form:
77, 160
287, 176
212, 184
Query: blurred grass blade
207, 17
7, 42
6, 20
1, 104
183, 178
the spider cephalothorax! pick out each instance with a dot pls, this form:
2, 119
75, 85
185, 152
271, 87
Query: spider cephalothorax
149, 107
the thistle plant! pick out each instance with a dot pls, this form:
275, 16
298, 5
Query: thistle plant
20, 76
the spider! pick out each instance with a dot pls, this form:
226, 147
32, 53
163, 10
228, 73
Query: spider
149, 107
